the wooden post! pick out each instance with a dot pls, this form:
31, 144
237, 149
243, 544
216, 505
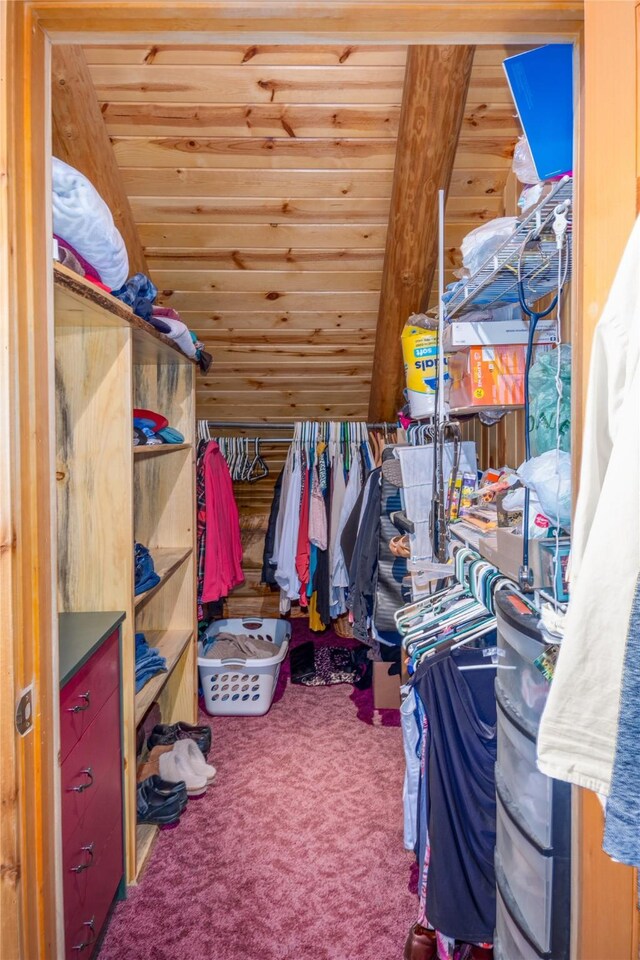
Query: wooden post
435, 91
80, 139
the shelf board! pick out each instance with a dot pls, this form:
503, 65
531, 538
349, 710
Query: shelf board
157, 449
165, 561
146, 834
470, 411
471, 538
105, 310
171, 644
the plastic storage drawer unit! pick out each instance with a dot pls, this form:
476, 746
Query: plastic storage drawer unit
510, 943
530, 876
521, 780
524, 687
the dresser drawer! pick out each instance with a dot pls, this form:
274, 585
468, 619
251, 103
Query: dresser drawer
89, 895
84, 855
85, 694
91, 776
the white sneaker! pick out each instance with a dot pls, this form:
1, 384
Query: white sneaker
193, 753
175, 766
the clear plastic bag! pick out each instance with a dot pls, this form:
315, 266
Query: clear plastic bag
482, 243
523, 165
549, 477
543, 402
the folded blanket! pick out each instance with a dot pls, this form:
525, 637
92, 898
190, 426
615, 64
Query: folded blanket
82, 218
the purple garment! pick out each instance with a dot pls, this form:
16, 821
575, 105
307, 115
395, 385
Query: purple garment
89, 270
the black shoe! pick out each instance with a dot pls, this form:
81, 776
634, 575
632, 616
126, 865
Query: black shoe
165, 734
160, 802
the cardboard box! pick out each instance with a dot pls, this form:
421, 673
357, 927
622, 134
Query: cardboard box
478, 333
386, 689
504, 551
487, 377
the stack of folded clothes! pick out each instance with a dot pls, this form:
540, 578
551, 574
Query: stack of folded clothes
149, 662
152, 428
145, 574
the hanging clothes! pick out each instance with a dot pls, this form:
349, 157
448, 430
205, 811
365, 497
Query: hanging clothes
220, 552
580, 722
322, 479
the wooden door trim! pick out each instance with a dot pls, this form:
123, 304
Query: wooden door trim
28, 323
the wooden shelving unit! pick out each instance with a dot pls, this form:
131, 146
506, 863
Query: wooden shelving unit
110, 493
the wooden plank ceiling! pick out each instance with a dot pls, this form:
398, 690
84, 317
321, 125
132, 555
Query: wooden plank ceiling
260, 180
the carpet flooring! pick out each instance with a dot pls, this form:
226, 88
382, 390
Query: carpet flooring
295, 853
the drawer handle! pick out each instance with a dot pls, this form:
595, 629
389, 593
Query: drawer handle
84, 786
91, 924
78, 707
89, 863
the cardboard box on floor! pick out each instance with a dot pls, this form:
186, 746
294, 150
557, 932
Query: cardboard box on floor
386, 689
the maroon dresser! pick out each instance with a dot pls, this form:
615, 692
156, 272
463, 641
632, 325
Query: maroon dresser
91, 774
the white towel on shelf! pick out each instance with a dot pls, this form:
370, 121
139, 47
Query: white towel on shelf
82, 218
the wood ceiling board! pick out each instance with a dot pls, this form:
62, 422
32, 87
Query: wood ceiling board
274, 258
254, 120
274, 301
343, 55
238, 210
247, 84
262, 281
266, 235
256, 153
279, 381
181, 181
201, 321
220, 337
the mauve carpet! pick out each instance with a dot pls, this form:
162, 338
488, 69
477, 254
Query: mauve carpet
295, 853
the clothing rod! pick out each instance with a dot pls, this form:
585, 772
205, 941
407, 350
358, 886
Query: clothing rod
245, 425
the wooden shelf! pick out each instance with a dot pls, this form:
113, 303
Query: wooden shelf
100, 308
146, 834
165, 562
470, 411
171, 645
156, 449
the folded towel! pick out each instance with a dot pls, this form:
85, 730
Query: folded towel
82, 218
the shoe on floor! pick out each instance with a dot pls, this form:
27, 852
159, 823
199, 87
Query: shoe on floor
175, 765
421, 944
159, 802
166, 734
195, 758
151, 766
481, 953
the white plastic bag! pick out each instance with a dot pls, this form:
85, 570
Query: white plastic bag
482, 243
549, 477
523, 165
539, 523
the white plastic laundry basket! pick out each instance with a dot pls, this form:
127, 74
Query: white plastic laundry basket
243, 688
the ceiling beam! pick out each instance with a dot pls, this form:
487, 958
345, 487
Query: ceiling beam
80, 139
435, 91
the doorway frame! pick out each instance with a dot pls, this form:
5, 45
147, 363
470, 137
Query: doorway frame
605, 207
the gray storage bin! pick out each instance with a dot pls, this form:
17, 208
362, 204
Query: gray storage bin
529, 874
525, 688
530, 790
510, 943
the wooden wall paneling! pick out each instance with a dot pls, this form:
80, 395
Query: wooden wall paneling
434, 95
30, 849
242, 210
311, 55
267, 282
80, 139
241, 183
273, 258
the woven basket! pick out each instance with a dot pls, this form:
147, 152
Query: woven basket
342, 627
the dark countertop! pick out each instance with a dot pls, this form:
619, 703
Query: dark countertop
80, 635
